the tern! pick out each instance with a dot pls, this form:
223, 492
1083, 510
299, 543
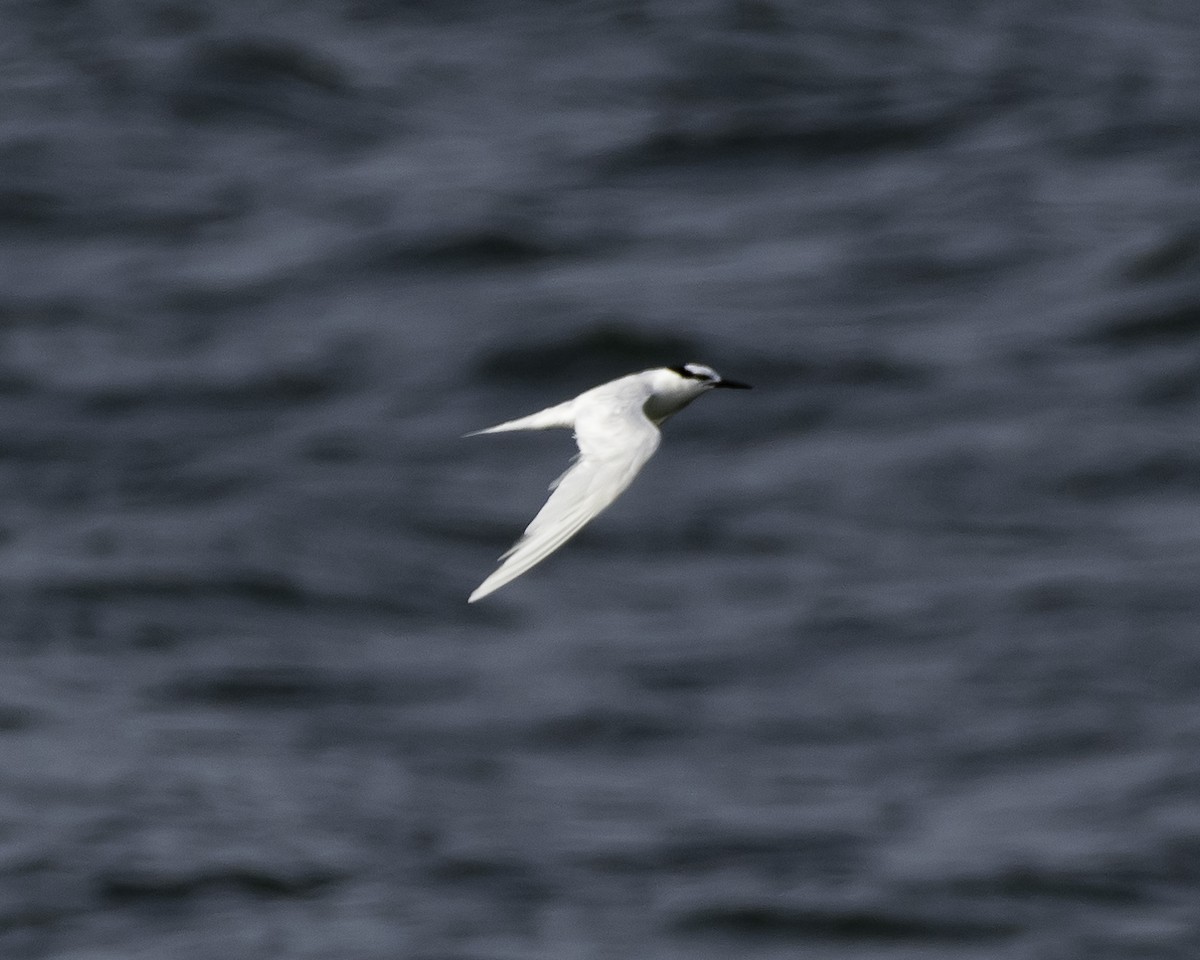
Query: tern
616, 428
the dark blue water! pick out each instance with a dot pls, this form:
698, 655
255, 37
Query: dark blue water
896, 656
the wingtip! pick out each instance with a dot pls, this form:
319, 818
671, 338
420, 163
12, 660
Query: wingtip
493, 583
480, 592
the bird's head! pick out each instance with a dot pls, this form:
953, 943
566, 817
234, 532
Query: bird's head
676, 387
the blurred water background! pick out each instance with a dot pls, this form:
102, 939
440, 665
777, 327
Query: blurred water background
894, 657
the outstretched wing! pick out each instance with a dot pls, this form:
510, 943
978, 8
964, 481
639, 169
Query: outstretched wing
615, 441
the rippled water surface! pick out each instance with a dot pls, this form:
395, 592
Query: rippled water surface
895, 656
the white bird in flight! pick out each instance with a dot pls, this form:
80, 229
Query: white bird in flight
616, 427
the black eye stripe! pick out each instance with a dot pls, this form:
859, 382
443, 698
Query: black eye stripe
683, 371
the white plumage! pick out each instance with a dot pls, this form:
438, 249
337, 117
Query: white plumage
616, 427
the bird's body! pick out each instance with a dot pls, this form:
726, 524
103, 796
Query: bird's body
616, 427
